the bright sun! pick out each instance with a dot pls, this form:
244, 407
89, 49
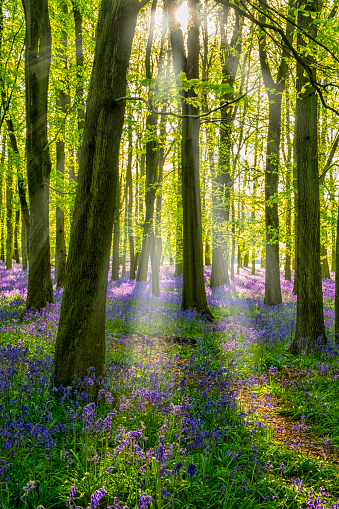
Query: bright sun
182, 16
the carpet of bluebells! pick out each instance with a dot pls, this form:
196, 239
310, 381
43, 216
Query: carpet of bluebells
168, 432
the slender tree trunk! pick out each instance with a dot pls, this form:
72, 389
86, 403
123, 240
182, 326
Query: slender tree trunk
178, 270
193, 291
115, 257
310, 316
230, 56
80, 342
272, 273
24, 245
274, 89
336, 296
9, 218
37, 64
2, 194
233, 241
157, 251
79, 91
20, 177
16, 236
151, 176
130, 209
325, 269
125, 238
62, 104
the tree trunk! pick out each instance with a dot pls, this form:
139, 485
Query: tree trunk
2, 193
79, 91
233, 241
9, 218
178, 271
246, 259
24, 245
222, 180
130, 209
272, 273
157, 252
20, 177
16, 236
325, 269
193, 290
274, 89
37, 64
310, 316
336, 296
125, 237
80, 342
208, 260
62, 105
289, 170
115, 257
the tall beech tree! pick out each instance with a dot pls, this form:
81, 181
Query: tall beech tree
37, 65
193, 290
274, 89
310, 316
80, 342
62, 103
223, 179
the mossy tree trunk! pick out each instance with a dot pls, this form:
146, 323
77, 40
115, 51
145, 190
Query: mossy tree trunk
37, 65
80, 342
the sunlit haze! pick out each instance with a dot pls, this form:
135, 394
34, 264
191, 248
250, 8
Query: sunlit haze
182, 16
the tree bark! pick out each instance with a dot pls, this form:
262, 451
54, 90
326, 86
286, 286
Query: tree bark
2, 193
336, 295
193, 291
325, 269
274, 89
115, 255
9, 218
80, 342
62, 105
16, 236
222, 181
20, 177
37, 65
310, 316
24, 245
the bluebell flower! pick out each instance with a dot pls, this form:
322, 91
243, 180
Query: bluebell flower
192, 469
144, 501
96, 497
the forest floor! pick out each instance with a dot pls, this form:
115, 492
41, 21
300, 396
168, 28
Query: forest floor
190, 415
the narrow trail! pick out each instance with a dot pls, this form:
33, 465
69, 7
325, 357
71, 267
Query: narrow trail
294, 435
